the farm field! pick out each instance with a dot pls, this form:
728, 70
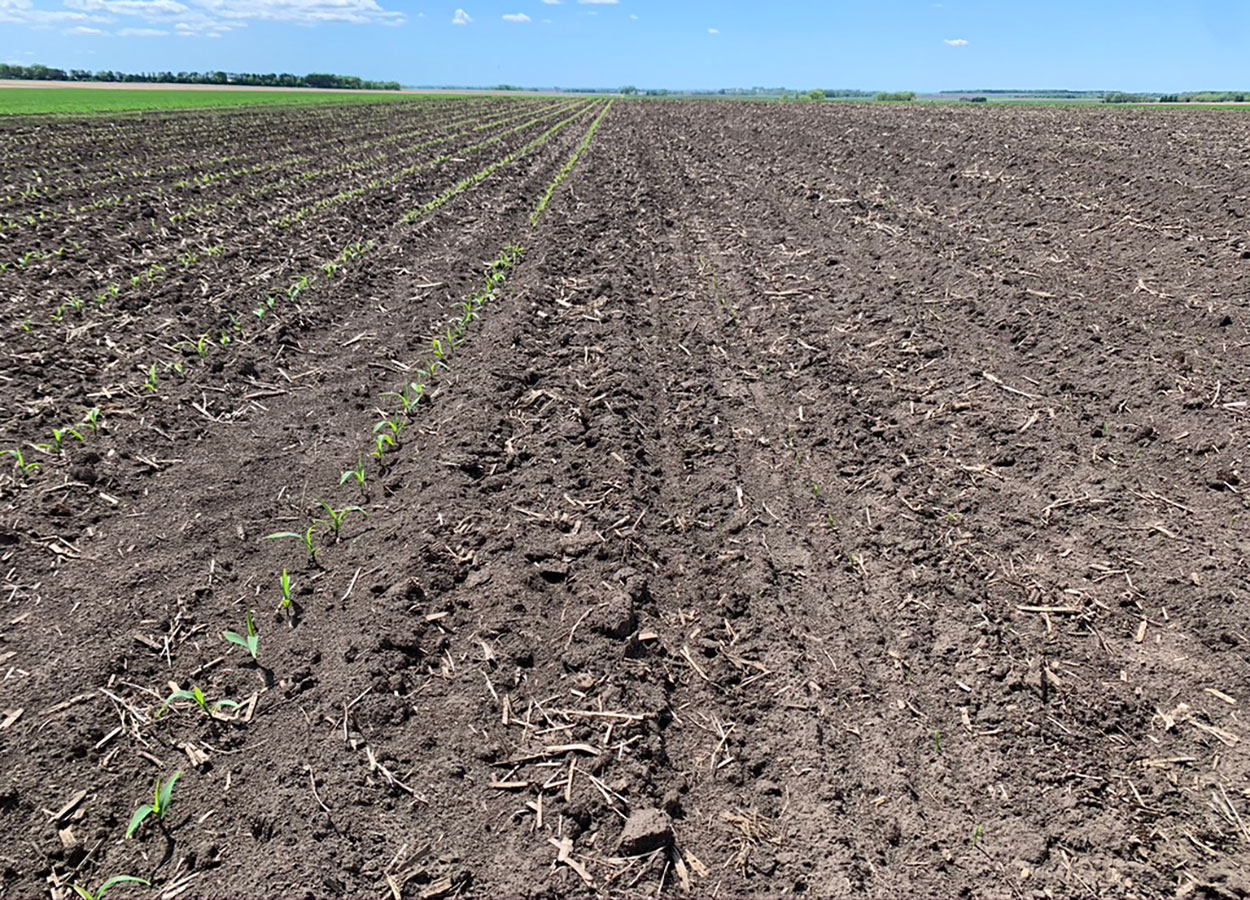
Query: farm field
56, 99
631, 498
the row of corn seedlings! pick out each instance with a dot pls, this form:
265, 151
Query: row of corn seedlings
153, 373
568, 167
303, 154
406, 401
157, 271
175, 143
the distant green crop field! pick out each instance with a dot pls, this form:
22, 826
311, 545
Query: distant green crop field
16, 101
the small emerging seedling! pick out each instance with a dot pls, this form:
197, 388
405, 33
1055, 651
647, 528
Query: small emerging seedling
337, 516
285, 584
160, 808
100, 892
937, 742
150, 384
408, 396
306, 539
92, 419
200, 699
28, 468
384, 443
357, 473
250, 642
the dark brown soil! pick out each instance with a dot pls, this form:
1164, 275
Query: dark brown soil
834, 500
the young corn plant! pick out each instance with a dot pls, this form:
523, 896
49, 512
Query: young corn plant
306, 538
284, 583
92, 419
383, 445
19, 462
58, 440
250, 640
158, 809
357, 474
150, 384
200, 699
337, 516
102, 891
409, 395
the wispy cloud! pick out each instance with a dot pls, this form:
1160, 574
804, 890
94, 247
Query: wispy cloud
955, 42
207, 18
521, 18
598, 2
461, 18
713, 31
553, 2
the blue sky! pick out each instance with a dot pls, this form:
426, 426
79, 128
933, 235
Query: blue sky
874, 44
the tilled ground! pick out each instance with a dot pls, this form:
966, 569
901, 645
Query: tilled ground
833, 500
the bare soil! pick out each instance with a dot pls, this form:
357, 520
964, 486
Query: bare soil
833, 500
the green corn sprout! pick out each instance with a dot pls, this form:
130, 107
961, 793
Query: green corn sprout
58, 314
409, 395
202, 346
384, 443
285, 583
394, 426
437, 346
58, 440
100, 892
163, 800
150, 384
305, 538
200, 699
250, 642
28, 468
337, 516
357, 473
92, 419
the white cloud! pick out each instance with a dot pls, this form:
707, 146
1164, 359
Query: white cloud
634, 16
598, 2
553, 2
956, 42
23, 12
521, 18
461, 18
142, 32
713, 31
84, 30
203, 17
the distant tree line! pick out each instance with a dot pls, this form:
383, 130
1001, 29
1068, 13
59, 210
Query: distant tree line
313, 80
896, 96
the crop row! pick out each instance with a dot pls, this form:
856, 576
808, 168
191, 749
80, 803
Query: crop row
275, 159
219, 340
154, 268
179, 144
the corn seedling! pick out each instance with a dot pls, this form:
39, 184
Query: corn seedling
337, 516
100, 892
200, 699
150, 384
58, 440
357, 473
409, 395
28, 468
305, 538
937, 742
251, 640
394, 427
384, 443
285, 584
159, 809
